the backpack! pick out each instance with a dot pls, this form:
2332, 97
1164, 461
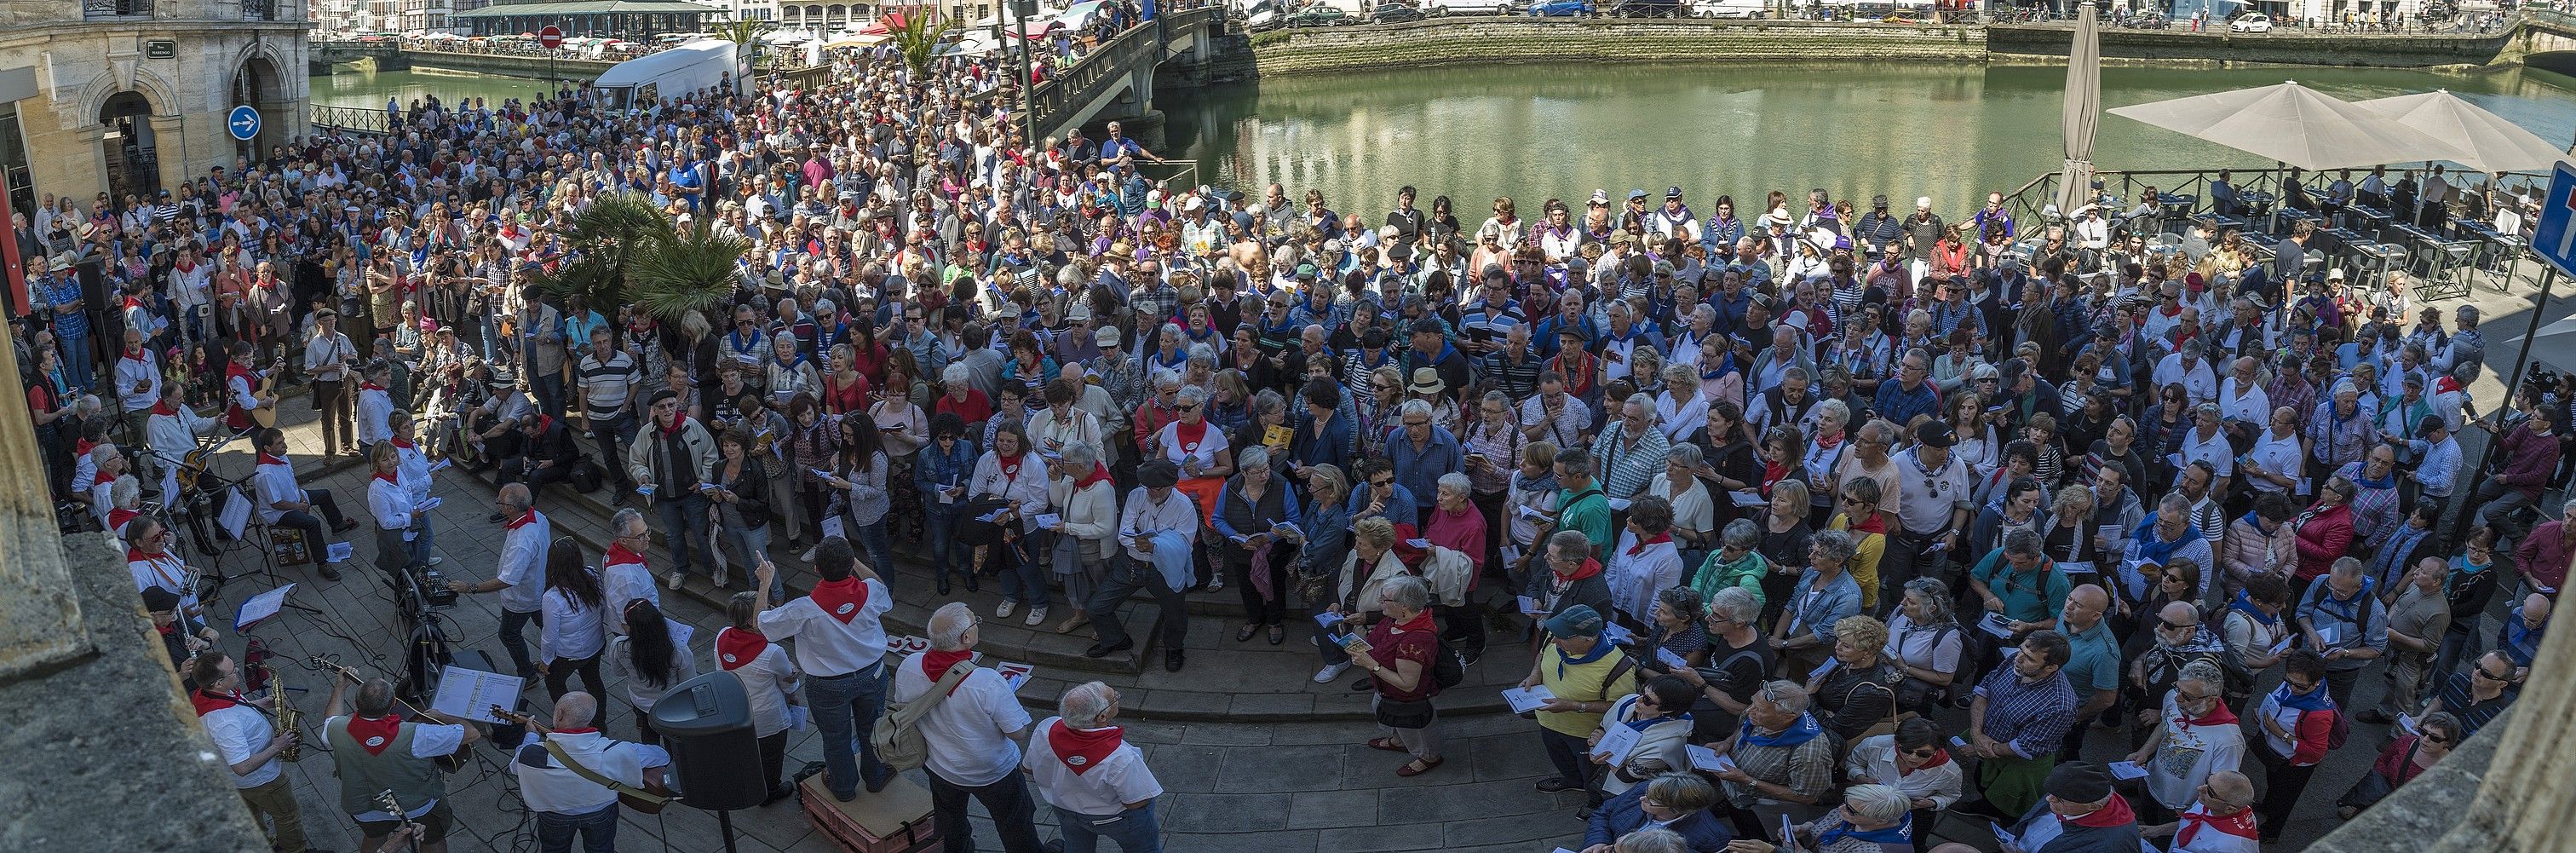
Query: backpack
897, 736
1447, 668
2339, 731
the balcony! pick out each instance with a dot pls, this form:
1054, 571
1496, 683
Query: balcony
112, 9
264, 10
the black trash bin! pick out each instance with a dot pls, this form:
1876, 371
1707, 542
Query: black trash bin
706, 725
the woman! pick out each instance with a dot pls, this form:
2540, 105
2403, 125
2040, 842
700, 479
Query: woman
1675, 629
1199, 448
940, 473
1086, 527
904, 428
1694, 515
1061, 423
1011, 479
1325, 535
1914, 760
858, 474
1375, 413
2166, 423
2069, 536
1735, 563
1734, 464
571, 631
2295, 720
1251, 509
1857, 690
648, 662
1660, 713
1786, 541
1824, 596
844, 389
769, 679
1872, 819
1977, 446
1269, 411
1783, 460
396, 515
1643, 562
2259, 542
741, 501
1531, 499
2404, 758
1825, 451
2324, 534
789, 373
1396, 653
812, 444
1029, 367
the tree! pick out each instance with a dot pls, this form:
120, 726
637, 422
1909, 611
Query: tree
917, 33
691, 269
607, 237
745, 35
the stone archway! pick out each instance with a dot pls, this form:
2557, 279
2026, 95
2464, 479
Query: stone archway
128, 146
258, 82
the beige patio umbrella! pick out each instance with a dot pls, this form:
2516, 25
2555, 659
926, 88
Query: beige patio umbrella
2083, 103
2488, 142
2296, 125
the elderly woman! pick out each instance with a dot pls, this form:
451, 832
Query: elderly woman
1014, 475
2168, 533
1672, 804
1735, 563
1925, 641
1786, 536
1368, 565
1063, 423
1532, 497
789, 373
1675, 629
1397, 653
1860, 499
1824, 596
1681, 408
1568, 575
1856, 689
1872, 819
1783, 761
1694, 512
1915, 761
1644, 562
2404, 758
1252, 509
1326, 533
1085, 528
1825, 451
1660, 714
1199, 448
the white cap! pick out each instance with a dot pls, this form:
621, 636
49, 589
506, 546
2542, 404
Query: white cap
1923, 202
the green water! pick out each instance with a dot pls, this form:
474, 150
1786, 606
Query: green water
360, 85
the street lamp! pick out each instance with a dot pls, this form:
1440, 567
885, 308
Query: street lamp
1022, 10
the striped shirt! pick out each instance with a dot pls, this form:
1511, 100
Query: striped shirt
606, 385
2029, 717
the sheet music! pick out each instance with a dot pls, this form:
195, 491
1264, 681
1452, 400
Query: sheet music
236, 513
259, 607
471, 693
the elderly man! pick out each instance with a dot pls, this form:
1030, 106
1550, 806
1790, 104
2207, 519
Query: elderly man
2020, 584
2194, 736
1676, 802
974, 731
1157, 517
1584, 674
2344, 621
1782, 760
2417, 618
1095, 780
2220, 819
671, 458
2519, 638
1909, 393
520, 574
624, 575
2466, 350
2016, 720
1630, 451
2169, 534
2092, 662
1421, 450
2374, 501
2080, 814
568, 802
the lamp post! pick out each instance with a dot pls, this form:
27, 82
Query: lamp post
1021, 10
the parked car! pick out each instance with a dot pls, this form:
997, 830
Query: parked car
1396, 13
1469, 7
1262, 21
2252, 23
1560, 8
1746, 9
1321, 16
1647, 9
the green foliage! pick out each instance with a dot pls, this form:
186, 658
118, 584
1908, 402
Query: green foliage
609, 234
917, 33
686, 270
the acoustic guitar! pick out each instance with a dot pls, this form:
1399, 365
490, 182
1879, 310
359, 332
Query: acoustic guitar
266, 416
449, 763
645, 800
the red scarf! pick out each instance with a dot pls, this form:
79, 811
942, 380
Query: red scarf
1082, 749
164, 408
522, 521
2219, 715
1011, 468
1872, 524
1771, 473
400, 443
1097, 473
2113, 813
935, 665
372, 734
736, 648
1823, 444
82, 447
677, 421
619, 555
1190, 434
1590, 567
265, 459
370, 386
1420, 622
208, 703
135, 354
1640, 548
389, 479
2240, 824
1939, 757
116, 519
841, 599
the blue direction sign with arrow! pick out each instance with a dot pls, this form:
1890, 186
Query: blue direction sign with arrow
2553, 239
244, 123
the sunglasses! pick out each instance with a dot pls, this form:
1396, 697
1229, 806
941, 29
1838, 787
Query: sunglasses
2483, 673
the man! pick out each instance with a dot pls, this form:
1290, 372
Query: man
2545, 553
2194, 737
1580, 506
1421, 451
1630, 451
568, 802
668, 464
1584, 674
375, 406
138, 388
2092, 662
1095, 780
1431, 349
1159, 526
973, 731
1932, 508
1553, 415
840, 646
283, 503
249, 744
170, 432
2289, 257
2016, 720
2080, 814
1782, 756
2519, 638
624, 576
2343, 621
328, 355
2477, 696
607, 378
2437, 456
2220, 820
1909, 393
2416, 621
2466, 349
520, 575
374, 749
544, 454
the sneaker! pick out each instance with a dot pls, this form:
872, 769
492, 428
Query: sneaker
1004, 611
1037, 616
330, 571
808, 556
437, 560
1215, 582
674, 579
1330, 671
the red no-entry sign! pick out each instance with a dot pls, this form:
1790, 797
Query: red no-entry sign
551, 37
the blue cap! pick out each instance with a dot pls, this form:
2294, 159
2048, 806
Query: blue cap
1577, 621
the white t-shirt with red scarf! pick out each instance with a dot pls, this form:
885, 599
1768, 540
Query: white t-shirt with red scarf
1088, 772
968, 732
768, 678
240, 730
836, 627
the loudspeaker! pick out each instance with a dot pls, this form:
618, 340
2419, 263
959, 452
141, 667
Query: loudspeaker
706, 725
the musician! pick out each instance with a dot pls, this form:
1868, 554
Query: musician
545, 454
412, 470
623, 574
373, 749
565, 802
396, 512
124, 503
768, 679
327, 358
170, 432
138, 383
250, 743
241, 389
1097, 782
182, 635
375, 406
520, 576
840, 646
282, 501
107, 463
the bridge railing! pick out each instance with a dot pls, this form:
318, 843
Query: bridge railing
1102, 70
348, 119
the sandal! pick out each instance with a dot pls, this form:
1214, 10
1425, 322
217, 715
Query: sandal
1387, 743
1418, 767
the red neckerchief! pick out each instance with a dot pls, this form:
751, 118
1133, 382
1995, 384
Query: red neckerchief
135, 354
265, 459
236, 370
580, 731
2113, 813
1190, 435
208, 703
1772, 472
1590, 567
2219, 715
164, 408
841, 599
82, 447
400, 443
522, 521
370, 386
736, 647
389, 479
372, 734
1939, 757
1872, 524
1083, 749
935, 665
1822, 444
1097, 473
1640, 548
544, 422
116, 518
677, 421
619, 555
2240, 824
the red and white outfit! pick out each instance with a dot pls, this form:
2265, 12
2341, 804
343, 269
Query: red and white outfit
969, 733
1022, 481
240, 730
162, 570
2204, 832
1093, 772
836, 627
768, 678
624, 577
240, 383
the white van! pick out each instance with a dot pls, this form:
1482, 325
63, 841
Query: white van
1468, 7
1746, 9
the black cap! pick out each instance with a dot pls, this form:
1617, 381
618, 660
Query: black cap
1936, 434
1158, 474
157, 599
2080, 782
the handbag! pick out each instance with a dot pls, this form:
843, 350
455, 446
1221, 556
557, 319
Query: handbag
1393, 714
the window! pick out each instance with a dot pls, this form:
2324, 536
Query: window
115, 8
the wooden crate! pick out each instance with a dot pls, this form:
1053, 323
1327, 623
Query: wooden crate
895, 820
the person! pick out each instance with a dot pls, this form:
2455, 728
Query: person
1011, 477
170, 432
1583, 674
741, 497
1782, 759
2016, 719
1397, 654
768, 680
328, 355
2220, 820
1933, 506
544, 454
390, 505
1660, 714
2194, 736
520, 575
2079, 814
2093, 661
671, 459
572, 630
646, 659
568, 802
1673, 802
284, 503
2476, 697
1856, 688
249, 742
1915, 762
2416, 621
840, 647
1097, 783
2405, 757
374, 749
940, 472
1871, 819
1086, 532
1825, 595
1580, 504
973, 732
1252, 507
608, 379
2021, 585
2343, 621
1160, 527
1925, 641
1644, 563
623, 574
2296, 720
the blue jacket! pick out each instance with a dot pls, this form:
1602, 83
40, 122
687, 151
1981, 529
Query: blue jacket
1333, 448
1621, 815
1419, 470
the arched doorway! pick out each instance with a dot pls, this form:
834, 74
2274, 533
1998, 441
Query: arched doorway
132, 155
258, 84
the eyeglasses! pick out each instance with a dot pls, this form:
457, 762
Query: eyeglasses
1925, 752
2483, 673
2429, 737
1189, 407
2179, 626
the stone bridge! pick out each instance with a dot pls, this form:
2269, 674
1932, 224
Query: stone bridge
1117, 78
388, 55
2546, 40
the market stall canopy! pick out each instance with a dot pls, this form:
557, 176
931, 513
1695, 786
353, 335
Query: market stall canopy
2296, 125
2489, 143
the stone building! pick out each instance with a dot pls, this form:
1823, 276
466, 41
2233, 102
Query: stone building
130, 95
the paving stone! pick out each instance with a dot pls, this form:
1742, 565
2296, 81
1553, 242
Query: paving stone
1226, 734
1268, 706
1227, 812
1529, 831
1463, 801
1397, 836
1286, 841
1284, 768
1328, 809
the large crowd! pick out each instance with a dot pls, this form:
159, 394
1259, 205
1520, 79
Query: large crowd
1793, 481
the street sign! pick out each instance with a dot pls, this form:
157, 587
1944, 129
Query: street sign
550, 38
2554, 240
244, 123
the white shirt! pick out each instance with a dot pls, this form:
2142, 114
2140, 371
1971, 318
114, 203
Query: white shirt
968, 732
1027, 490
2215, 450
411, 468
523, 562
391, 504
554, 788
2198, 381
170, 437
1105, 789
162, 570
1929, 495
2437, 466
131, 370
276, 482
768, 678
621, 582
1639, 571
1144, 516
2278, 454
2244, 402
428, 740
375, 414
828, 647
642, 694
240, 732
1678, 417
568, 629
332, 349
1874, 758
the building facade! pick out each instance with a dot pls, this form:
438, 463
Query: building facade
130, 96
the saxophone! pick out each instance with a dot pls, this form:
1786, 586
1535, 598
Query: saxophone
288, 719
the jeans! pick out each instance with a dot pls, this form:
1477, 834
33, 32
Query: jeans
76, 359
1135, 830
549, 391
559, 675
845, 712
1024, 579
514, 626
420, 550
751, 543
612, 435
598, 831
684, 528
872, 538
1567, 754
945, 554
1007, 800
1126, 576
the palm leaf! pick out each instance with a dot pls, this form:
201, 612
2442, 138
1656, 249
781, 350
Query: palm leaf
691, 270
917, 34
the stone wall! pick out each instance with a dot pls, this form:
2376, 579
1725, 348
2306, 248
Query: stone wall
512, 66
2048, 44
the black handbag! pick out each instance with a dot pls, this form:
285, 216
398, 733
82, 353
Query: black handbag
1393, 714
972, 530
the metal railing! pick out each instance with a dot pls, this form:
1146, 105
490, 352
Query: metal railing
116, 9
264, 10
2027, 203
348, 119
1101, 70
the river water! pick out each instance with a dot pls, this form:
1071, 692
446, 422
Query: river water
1534, 132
